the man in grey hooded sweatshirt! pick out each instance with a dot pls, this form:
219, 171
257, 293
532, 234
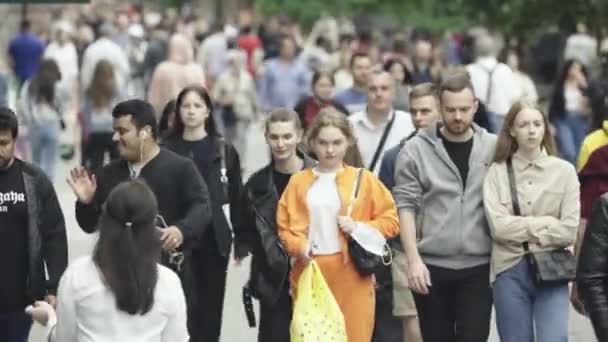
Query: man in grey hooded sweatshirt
439, 176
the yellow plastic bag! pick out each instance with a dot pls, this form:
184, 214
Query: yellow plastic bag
316, 314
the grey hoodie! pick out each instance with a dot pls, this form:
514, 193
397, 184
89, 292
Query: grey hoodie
452, 230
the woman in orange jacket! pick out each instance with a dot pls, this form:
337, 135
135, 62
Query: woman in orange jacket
313, 225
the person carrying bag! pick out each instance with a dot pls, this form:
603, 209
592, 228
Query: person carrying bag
316, 314
531, 201
313, 224
368, 248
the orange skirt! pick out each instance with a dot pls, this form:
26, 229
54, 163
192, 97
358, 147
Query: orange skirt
354, 293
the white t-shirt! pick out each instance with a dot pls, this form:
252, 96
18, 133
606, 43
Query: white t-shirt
212, 54
87, 312
505, 87
324, 205
368, 135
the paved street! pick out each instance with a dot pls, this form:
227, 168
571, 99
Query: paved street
235, 323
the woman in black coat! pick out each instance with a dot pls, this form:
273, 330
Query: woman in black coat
194, 134
592, 270
270, 264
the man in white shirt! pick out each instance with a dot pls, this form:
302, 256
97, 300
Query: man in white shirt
212, 53
494, 82
62, 50
581, 46
370, 124
105, 48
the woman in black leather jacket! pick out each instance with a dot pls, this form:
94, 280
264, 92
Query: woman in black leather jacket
592, 271
270, 264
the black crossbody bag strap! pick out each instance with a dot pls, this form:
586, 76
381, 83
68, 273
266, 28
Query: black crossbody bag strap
382, 142
514, 199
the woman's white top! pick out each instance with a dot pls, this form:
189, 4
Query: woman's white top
573, 100
324, 206
87, 312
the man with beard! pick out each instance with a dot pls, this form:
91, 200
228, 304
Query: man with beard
32, 236
183, 198
438, 189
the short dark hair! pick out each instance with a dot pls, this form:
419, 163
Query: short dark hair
456, 80
142, 114
8, 121
287, 37
320, 74
356, 56
25, 25
246, 30
282, 115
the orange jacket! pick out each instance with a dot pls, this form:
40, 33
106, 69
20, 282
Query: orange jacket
374, 206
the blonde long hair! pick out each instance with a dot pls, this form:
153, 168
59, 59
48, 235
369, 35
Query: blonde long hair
331, 117
506, 144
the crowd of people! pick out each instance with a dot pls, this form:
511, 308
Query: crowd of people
444, 149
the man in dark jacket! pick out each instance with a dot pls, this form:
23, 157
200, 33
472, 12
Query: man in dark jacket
183, 198
32, 236
592, 274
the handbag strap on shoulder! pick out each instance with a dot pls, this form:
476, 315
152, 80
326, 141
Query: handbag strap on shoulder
514, 199
355, 192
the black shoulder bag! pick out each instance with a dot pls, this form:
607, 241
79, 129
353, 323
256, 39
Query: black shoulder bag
365, 262
381, 144
549, 268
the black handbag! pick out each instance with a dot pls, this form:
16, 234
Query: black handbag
548, 268
365, 262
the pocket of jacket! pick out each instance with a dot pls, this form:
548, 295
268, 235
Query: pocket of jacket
550, 203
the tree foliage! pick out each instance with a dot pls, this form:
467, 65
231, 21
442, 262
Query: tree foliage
513, 17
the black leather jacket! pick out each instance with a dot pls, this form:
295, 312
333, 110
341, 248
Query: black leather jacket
270, 262
592, 271
47, 241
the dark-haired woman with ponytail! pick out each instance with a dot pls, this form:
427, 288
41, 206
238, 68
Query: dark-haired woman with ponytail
195, 135
119, 293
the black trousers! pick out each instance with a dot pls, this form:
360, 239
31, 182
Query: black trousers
458, 307
95, 149
387, 328
206, 306
276, 319
15, 327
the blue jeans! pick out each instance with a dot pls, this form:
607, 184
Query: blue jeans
44, 138
571, 131
524, 310
15, 327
